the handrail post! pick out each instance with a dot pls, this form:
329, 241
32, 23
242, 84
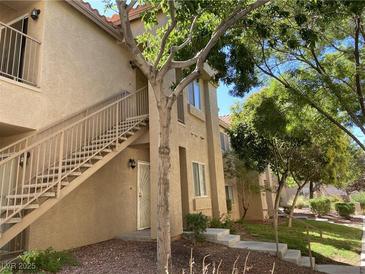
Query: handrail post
117, 127
60, 158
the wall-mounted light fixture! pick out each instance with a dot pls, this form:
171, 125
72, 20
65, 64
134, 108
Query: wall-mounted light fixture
132, 163
132, 64
35, 14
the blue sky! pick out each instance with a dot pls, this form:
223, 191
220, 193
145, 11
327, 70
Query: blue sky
225, 101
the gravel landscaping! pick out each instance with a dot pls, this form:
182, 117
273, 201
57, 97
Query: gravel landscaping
117, 256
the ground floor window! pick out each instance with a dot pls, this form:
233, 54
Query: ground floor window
199, 179
229, 197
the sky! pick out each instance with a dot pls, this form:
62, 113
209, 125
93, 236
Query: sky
225, 101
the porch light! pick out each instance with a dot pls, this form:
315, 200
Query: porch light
35, 14
132, 163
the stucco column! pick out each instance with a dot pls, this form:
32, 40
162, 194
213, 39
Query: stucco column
216, 172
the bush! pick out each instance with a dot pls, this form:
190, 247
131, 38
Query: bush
197, 223
345, 209
320, 206
225, 221
302, 202
46, 260
360, 198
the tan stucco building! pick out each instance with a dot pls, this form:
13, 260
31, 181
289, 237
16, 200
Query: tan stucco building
259, 200
79, 133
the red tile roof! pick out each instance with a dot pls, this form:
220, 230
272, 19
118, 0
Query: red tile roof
134, 13
96, 13
226, 119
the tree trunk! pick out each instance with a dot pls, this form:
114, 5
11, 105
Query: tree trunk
311, 190
293, 204
163, 210
276, 209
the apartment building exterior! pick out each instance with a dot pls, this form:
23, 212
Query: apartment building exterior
79, 133
259, 200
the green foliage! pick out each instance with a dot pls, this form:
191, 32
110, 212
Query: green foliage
197, 223
47, 260
225, 221
345, 209
302, 202
360, 198
6, 270
320, 206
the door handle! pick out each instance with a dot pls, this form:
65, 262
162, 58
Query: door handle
140, 195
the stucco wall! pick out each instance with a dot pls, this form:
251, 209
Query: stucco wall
103, 207
80, 65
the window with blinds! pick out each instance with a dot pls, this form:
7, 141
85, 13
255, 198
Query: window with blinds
199, 179
194, 94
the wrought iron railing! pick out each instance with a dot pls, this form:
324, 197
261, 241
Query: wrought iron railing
19, 55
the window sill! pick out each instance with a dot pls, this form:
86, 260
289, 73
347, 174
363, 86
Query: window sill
196, 112
19, 84
202, 202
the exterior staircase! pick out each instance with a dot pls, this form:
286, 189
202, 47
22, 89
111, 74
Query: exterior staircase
222, 236
36, 176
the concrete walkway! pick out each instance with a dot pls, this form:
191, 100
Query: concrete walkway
222, 236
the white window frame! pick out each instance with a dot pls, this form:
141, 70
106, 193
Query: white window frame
202, 180
193, 97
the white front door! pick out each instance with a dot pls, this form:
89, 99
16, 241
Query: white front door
143, 196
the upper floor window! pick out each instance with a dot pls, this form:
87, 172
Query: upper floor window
199, 179
225, 142
194, 94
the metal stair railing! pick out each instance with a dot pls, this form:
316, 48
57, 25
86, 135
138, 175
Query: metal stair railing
40, 169
22, 143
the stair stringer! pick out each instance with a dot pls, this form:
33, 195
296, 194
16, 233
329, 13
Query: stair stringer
28, 219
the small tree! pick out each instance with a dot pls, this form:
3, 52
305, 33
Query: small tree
194, 32
245, 179
262, 138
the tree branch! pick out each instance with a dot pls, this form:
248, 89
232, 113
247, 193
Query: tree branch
314, 105
170, 28
126, 31
357, 64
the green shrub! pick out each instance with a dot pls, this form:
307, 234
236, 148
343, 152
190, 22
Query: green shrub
302, 202
225, 221
46, 260
345, 209
360, 198
197, 223
320, 206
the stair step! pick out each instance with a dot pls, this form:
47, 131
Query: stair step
81, 159
214, 233
11, 220
106, 140
43, 185
305, 261
15, 207
90, 152
228, 240
95, 146
262, 247
55, 175
22, 196
293, 256
68, 167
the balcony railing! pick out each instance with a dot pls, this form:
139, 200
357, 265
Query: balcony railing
19, 55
